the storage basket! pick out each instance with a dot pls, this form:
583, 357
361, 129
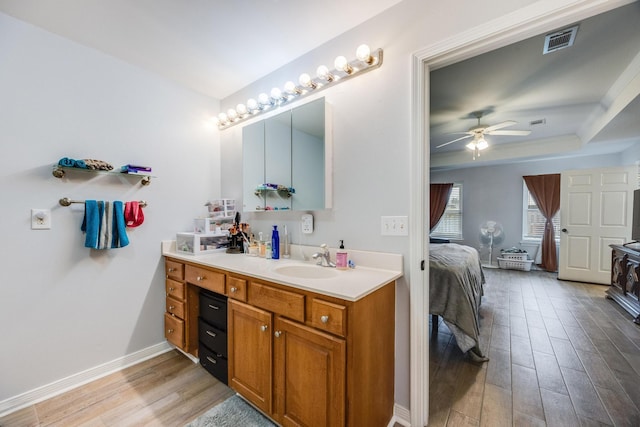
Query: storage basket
518, 256
510, 264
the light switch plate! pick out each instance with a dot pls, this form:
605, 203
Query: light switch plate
40, 219
394, 226
307, 224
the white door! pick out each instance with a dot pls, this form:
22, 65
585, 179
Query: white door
595, 211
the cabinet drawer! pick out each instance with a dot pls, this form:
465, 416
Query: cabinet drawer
174, 330
237, 288
213, 309
288, 304
212, 337
215, 363
204, 278
175, 307
329, 317
175, 289
174, 270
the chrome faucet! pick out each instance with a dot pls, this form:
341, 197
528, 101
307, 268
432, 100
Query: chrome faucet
323, 257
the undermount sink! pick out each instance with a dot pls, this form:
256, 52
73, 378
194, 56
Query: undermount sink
306, 271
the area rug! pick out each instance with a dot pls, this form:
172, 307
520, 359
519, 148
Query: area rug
233, 412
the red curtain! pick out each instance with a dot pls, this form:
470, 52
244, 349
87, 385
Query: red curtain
545, 190
439, 197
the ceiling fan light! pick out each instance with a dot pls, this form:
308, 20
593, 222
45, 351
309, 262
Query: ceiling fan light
471, 145
481, 144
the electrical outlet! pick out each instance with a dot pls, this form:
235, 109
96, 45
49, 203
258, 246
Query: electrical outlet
307, 224
40, 219
394, 226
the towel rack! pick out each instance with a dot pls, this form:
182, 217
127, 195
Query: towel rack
67, 201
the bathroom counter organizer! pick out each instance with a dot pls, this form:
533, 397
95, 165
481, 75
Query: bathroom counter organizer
61, 171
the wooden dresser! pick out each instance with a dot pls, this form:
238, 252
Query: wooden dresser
625, 279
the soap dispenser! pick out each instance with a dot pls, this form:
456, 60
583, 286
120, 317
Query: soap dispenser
275, 243
341, 257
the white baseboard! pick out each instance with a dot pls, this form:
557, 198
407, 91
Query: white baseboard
401, 415
65, 384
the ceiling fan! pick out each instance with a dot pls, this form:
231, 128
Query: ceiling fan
479, 131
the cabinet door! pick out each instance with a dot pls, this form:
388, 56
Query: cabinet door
250, 353
309, 369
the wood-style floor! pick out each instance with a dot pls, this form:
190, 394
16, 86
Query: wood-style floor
168, 390
561, 354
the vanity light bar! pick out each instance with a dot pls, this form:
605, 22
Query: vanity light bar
365, 60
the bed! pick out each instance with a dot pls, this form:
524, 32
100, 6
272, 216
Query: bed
456, 283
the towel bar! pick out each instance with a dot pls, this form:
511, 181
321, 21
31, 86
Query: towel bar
67, 201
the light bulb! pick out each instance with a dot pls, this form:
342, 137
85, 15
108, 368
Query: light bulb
305, 80
232, 114
323, 73
471, 145
223, 118
241, 109
291, 88
342, 64
482, 144
276, 94
363, 53
263, 98
215, 120
252, 105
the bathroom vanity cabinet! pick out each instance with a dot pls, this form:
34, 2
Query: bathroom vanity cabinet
304, 358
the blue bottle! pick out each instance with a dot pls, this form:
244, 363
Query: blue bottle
275, 243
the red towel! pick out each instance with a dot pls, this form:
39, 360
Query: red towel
133, 214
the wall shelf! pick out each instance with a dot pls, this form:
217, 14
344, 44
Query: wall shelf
61, 171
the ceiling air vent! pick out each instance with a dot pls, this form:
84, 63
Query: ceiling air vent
537, 122
559, 39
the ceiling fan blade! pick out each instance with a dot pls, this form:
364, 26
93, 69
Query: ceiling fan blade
499, 126
509, 132
455, 140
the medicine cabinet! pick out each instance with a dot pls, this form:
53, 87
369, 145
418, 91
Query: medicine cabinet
286, 160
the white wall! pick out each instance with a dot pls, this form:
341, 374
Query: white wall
495, 193
65, 308
371, 137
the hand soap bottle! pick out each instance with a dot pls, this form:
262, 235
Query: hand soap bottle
275, 243
342, 257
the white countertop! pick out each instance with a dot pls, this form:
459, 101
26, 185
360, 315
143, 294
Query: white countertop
350, 284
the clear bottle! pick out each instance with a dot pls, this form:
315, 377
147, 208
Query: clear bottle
267, 251
342, 258
275, 243
262, 247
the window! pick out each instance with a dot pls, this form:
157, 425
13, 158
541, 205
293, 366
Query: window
533, 221
450, 225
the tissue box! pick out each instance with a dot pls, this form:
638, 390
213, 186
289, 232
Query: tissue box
200, 243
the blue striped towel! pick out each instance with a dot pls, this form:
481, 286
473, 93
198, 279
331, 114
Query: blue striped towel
104, 225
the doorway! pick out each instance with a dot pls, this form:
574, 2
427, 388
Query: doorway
517, 26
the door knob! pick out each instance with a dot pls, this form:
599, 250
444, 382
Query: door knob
564, 230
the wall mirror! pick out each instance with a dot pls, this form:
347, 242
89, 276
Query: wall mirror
286, 160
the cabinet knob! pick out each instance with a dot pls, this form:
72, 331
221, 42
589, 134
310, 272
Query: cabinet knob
277, 334
233, 289
171, 269
263, 328
171, 289
199, 278
324, 319
169, 331
171, 307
